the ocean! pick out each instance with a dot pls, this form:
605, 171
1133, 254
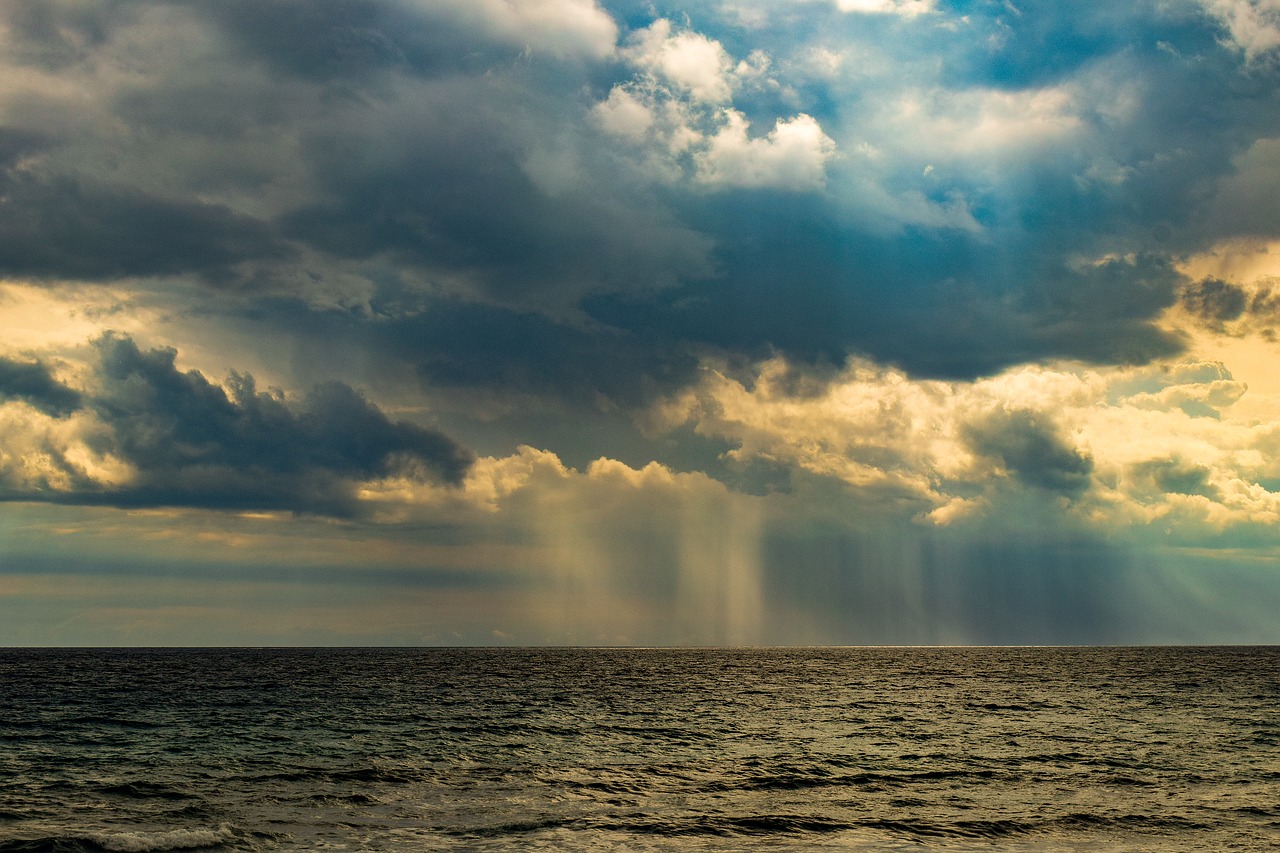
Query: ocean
857, 749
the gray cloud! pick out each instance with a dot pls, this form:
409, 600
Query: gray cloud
1033, 451
354, 44
1229, 308
55, 33
68, 229
327, 39
67, 226
1214, 301
1174, 476
33, 383
954, 308
192, 444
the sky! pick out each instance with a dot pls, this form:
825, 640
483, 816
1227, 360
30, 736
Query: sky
611, 322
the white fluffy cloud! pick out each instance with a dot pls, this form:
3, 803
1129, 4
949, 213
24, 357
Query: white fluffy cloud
757, 12
624, 114
905, 8
686, 60
978, 123
557, 27
677, 117
1254, 25
793, 155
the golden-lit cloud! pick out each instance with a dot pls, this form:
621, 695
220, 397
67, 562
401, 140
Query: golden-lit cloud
1114, 449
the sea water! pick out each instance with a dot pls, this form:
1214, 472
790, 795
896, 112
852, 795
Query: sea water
860, 749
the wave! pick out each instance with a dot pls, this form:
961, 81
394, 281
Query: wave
117, 722
752, 825
993, 829
143, 790
358, 774
919, 829
764, 825
1129, 821
784, 780
122, 842
704, 825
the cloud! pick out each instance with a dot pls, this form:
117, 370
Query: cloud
559, 27
1234, 308
906, 8
193, 444
1175, 476
1214, 302
1245, 203
624, 114
62, 228
43, 458
1254, 25
756, 13
463, 345
792, 156
1140, 450
185, 441
686, 60
607, 212
677, 114
34, 384
1032, 450
360, 40
981, 123
58, 34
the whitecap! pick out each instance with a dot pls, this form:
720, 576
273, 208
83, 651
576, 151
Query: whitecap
174, 839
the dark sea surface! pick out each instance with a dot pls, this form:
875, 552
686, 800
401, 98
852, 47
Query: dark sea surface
880, 749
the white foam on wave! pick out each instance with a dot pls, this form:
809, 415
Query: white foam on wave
174, 839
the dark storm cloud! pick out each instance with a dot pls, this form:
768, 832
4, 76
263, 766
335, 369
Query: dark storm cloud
472, 345
1033, 451
325, 39
73, 227
1104, 313
1174, 476
34, 384
1214, 301
1264, 305
467, 206
1224, 307
67, 228
346, 42
192, 444
953, 308
451, 343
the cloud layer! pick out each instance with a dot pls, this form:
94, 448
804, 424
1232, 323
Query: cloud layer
821, 189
